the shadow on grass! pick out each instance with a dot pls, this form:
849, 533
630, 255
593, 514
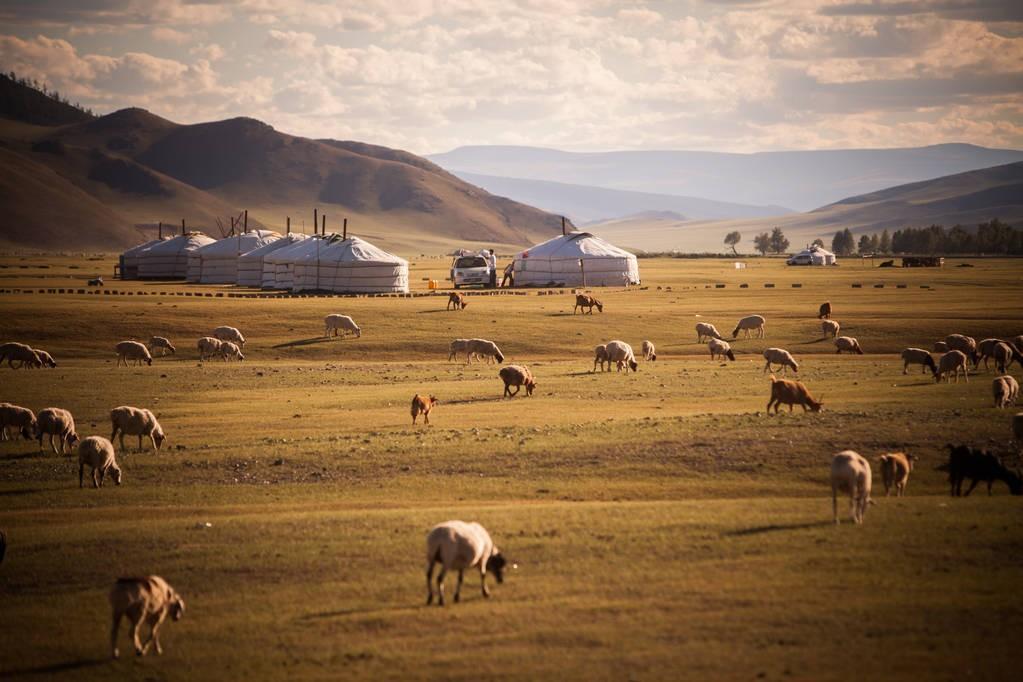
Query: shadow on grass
469, 401
54, 668
775, 527
438, 310
341, 613
815, 341
23, 455
305, 342
20, 491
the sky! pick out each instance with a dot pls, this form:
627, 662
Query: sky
581, 75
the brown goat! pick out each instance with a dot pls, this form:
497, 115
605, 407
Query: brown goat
422, 406
791, 393
456, 301
895, 468
584, 301
824, 312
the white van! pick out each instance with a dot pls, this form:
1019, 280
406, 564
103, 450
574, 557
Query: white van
469, 271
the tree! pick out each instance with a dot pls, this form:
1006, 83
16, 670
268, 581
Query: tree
818, 242
864, 247
731, 239
885, 245
875, 244
842, 244
762, 243
778, 241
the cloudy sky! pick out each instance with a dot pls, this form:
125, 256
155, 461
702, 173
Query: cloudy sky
430, 75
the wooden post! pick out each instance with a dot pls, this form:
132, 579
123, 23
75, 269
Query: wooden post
182, 226
344, 229
289, 224
563, 233
323, 230
246, 221
316, 221
582, 269
160, 233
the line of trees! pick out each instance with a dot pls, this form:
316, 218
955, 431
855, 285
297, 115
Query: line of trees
45, 90
994, 237
775, 241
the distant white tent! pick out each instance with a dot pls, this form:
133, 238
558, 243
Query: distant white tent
351, 265
217, 263
169, 259
812, 255
576, 259
279, 266
250, 265
131, 258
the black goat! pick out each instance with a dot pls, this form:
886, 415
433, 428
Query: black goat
965, 462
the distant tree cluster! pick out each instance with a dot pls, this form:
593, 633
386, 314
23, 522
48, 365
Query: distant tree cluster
994, 237
44, 89
775, 241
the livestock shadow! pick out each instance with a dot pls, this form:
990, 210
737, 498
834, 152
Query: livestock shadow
341, 613
306, 342
21, 491
823, 339
775, 527
438, 310
23, 455
54, 668
469, 401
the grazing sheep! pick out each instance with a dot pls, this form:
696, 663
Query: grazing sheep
895, 468
1004, 355
226, 333
21, 418
208, 347
1017, 343
97, 282
54, 421
748, 324
341, 323
148, 599
918, 356
965, 344
940, 347
621, 354
457, 347
133, 350
850, 474
978, 465
517, 376
784, 391
481, 348
600, 355
779, 356
136, 421
230, 350
20, 353
584, 301
456, 301
98, 453
45, 358
847, 344
163, 344
952, 362
985, 350
705, 330
1006, 390
649, 351
456, 546
824, 312
830, 328
719, 348
422, 406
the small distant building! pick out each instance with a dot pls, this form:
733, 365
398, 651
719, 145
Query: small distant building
576, 259
812, 255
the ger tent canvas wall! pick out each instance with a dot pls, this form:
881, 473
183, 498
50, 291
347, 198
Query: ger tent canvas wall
576, 259
352, 265
217, 263
169, 259
250, 265
130, 259
279, 266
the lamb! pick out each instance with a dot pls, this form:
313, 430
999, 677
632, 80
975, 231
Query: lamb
600, 355
721, 349
133, 350
98, 453
952, 362
341, 323
162, 343
748, 324
649, 351
226, 333
20, 353
584, 301
895, 468
136, 421
481, 348
830, 328
621, 354
53, 421
457, 347
965, 344
422, 406
1004, 355
940, 347
791, 393
824, 312
705, 330
45, 358
148, 599
208, 347
21, 418
517, 376
1006, 390
850, 473
230, 350
779, 356
456, 301
847, 344
457, 545
918, 356
978, 465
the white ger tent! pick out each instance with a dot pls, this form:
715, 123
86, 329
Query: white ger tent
217, 263
576, 259
131, 258
351, 265
279, 266
250, 265
812, 255
169, 259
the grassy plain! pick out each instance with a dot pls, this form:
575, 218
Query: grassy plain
666, 528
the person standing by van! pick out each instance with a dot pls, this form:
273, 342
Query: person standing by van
492, 262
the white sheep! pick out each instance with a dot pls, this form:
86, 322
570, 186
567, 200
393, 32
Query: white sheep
22, 354
748, 324
229, 350
705, 330
850, 474
226, 333
456, 546
135, 421
135, 351
720, 349
1005, 354
481, 348
149, 599
967, 345
621, 354
98, 453
830, 328
340, 323
918, 356
940, 347
164, 344
45, 358
600, 355
20, 418
1006, 390
952, 362
847, 344
208, 347
53, 421
649, 351
779, 356
457, 347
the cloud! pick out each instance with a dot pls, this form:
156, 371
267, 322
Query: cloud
169, 35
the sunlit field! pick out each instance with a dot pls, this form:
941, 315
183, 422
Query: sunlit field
664, 525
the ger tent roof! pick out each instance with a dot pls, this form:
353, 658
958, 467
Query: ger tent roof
129, 260
279, 266
169, 259
557, 262
250, 265
217, 263
352, 265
